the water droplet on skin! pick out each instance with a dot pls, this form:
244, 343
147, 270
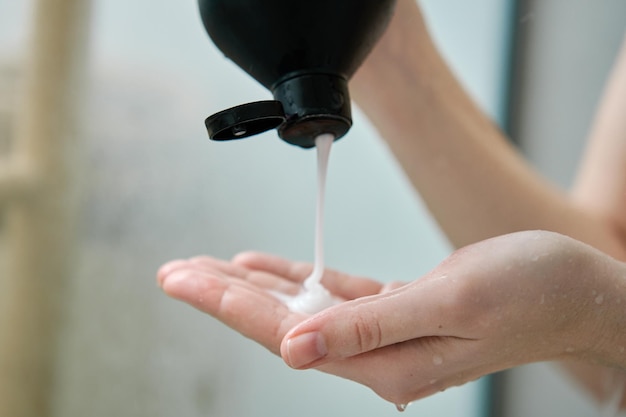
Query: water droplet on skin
432, 381
437, 360
570, 350
600, 299
621, 349
401, 407
543, 299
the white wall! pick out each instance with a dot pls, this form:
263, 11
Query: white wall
155, 189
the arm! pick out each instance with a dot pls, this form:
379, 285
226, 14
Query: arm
600, 187
456, 158
472, 180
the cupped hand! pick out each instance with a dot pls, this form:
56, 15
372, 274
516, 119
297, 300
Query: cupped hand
240, 292
507, 301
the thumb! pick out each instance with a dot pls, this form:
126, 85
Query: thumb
354, 327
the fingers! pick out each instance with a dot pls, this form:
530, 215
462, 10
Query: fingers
293, 271
223, 268
342, 285
166, 269
424, 308
415, 369
245, 307
350, 287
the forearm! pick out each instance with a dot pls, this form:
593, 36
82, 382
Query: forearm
601, 183
472, 180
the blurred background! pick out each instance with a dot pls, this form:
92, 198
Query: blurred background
106, 172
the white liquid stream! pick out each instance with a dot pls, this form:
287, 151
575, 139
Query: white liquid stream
314, 297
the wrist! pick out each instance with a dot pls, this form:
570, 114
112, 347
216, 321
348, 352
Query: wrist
611, 317
603, 328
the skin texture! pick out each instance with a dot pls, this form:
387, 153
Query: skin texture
539, 275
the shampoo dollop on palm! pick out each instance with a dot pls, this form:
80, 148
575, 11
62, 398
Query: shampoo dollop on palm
312, 300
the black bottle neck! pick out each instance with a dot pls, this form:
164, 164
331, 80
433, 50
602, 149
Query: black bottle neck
314, 104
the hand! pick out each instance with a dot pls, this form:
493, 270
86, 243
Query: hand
521, 298
238, 293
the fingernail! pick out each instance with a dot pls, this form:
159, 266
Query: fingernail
305, 349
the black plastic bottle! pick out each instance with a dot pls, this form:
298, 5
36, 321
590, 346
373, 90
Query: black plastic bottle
304, 52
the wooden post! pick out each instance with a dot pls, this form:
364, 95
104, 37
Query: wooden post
38, 188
